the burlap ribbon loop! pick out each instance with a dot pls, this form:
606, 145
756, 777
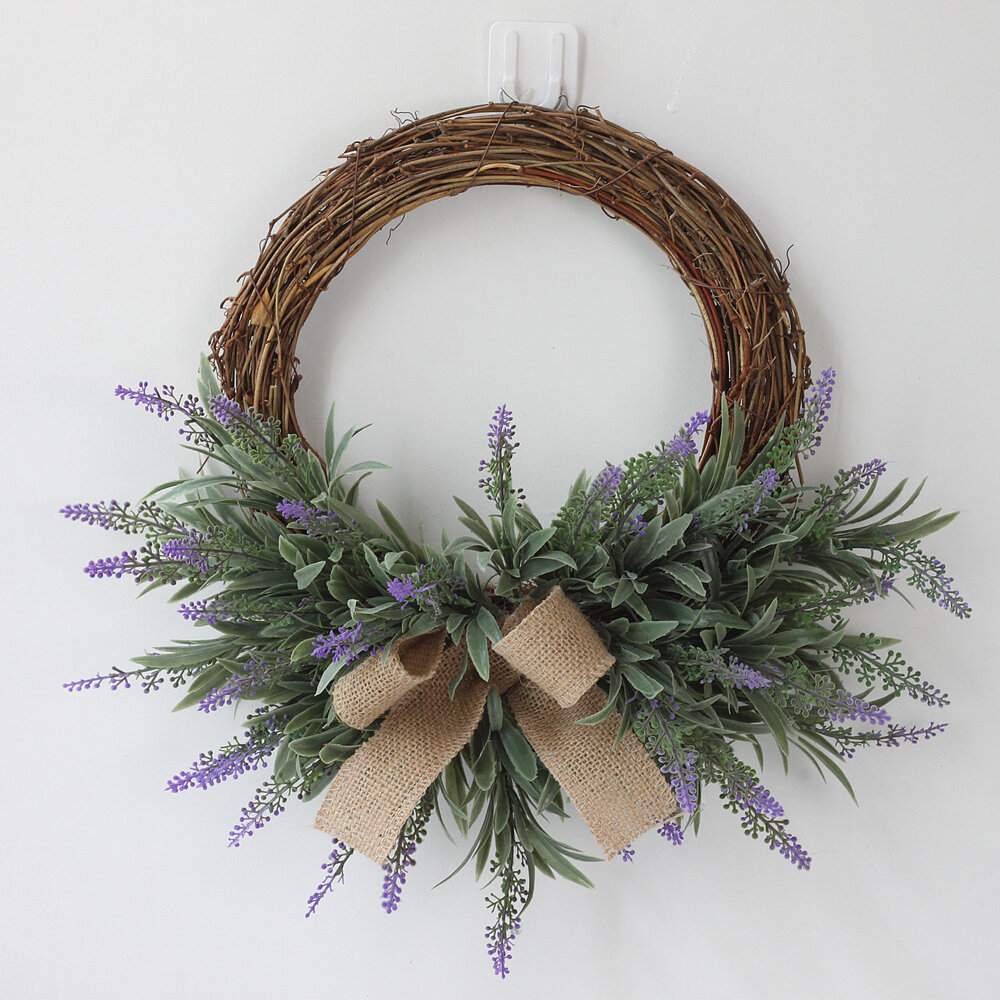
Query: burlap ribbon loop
370, 690
555, 646
546, 666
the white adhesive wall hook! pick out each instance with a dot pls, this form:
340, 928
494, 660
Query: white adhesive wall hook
534, 62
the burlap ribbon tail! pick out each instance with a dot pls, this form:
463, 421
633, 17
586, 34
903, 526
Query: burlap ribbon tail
546, 665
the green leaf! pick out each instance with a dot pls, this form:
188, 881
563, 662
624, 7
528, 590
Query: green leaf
397, 530
484, 768
475, 640
288, 551
303, 650
531, 544
687, 577
650, 631
306, 575
549, 562
519, 750
773, 719
508, 520
208, 384
488, 624
545, 846
641, 681
494, 710
329, 439
623, 591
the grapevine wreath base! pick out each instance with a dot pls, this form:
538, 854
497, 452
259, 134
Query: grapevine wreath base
679, 605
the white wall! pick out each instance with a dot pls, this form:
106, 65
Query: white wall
144, 149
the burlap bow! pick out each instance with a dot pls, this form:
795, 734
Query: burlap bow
546, 665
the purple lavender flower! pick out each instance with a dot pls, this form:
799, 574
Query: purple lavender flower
669, 708
342, 644
735, 672
268, 802
225, 410
188, 549
845, 706
500, 438
751, 794
334, 868
500, 945
235, 759
293, 510
413, 832
401, 589
684, 780
816, 410
117, 679
116, 566
789, 847
861, 476
606, 483
507, 905
879, 588
237, 686
682, 445
312, 520
928, 576
638, 525
157, 401
672, 831
103, 514
395, 878
627, 854
767, 481
502, 427
404, 589
209, 610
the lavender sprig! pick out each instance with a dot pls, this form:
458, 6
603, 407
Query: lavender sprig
507, 906
268, 801
314, 521
891, 671
682, 445
402, 856
822, 697
816, 413
646, 480
343, 644
124, 517
255, 675
334, 868
150, 678
429, 588
928, 575
164, 402
672, 832
190, 555
500, 439
678, 764
739, 674
259, 437
232, 761
848, 741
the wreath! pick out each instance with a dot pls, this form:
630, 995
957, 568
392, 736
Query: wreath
684, 603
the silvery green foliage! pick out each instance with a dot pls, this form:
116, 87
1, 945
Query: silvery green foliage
723, 592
